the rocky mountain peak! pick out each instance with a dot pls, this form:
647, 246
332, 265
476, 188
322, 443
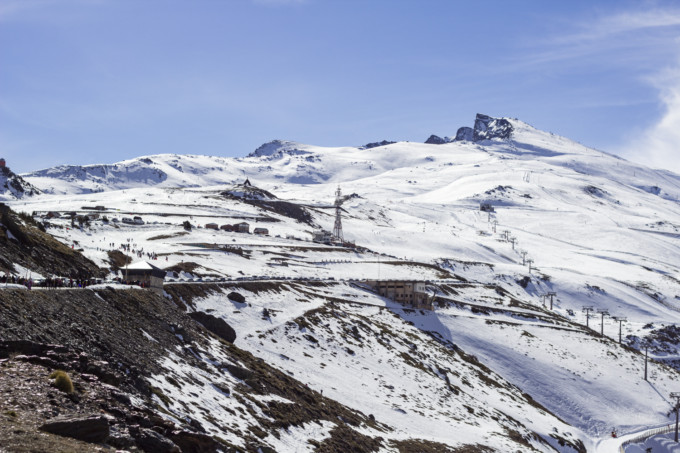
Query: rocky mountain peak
377, 144
435, 140
488, 128
274, 147
14, 186
485, 128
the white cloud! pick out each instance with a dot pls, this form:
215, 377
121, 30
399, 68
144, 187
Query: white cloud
659, 145
624, 22
640, 44
623, 39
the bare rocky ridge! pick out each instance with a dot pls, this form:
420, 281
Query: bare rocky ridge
14, 186
24, 243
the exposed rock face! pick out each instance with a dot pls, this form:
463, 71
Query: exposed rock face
435, 140
464, 134
277, 148
99, 177
22, 242
13, 186
152, 442
191, 442
216, 325
238, 372
376, 144
488, 128
91, 429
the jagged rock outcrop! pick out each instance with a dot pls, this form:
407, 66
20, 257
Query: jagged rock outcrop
277, 148
435, 140
376, 144
13, 186
488, 128
464, 134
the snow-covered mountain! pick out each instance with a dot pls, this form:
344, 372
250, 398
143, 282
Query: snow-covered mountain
556, 217
13, 186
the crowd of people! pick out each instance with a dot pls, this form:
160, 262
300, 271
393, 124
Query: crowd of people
51, 283
62, 282
131, 247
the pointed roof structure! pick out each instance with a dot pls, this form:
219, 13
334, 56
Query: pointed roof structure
144, 267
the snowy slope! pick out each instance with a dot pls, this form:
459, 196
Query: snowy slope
13, 186
600, 232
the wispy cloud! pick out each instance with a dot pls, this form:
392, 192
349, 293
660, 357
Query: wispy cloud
659, 145
642, 45
620, 23
623, 38
52, 10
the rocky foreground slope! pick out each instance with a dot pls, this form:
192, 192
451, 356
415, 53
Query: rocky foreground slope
112, 344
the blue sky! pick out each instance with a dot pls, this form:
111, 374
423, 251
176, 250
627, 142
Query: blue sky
98, 81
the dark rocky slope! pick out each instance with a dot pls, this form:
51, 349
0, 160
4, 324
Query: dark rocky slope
23, 242
99, 337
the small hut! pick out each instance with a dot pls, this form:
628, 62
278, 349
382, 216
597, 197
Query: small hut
242, 227
145, 275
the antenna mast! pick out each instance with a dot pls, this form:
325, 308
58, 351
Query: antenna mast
337, 228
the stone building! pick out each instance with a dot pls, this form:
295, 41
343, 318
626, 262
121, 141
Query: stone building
145, 275
406, 292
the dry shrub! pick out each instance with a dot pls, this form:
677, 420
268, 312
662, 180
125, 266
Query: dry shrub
62, 381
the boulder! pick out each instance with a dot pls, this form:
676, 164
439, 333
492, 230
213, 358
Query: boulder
238, 372
464, 134
191, 442
91, 429
216, 325
435, 140
236, 297
152, 442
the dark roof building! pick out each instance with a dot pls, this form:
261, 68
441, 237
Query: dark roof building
145, 274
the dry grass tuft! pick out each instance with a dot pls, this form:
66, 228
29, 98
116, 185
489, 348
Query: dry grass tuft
62, 381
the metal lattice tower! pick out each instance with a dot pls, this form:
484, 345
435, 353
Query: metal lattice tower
337, 228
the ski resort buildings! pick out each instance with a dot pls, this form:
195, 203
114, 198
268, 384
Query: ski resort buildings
322, 236
405, 292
